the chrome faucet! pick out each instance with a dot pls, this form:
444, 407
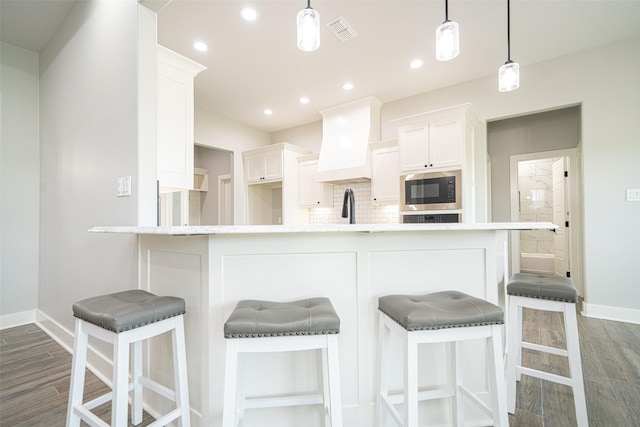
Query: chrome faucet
348, 197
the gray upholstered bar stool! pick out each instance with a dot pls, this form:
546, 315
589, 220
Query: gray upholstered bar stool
550, 293
265, 326
123, 319
440, 317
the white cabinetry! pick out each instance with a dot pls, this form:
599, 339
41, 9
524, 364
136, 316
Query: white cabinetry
432, 142
175, 118
449, 139
272, 185
313, 194
385, 180
263, 165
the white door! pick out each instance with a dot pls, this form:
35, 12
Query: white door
560, 216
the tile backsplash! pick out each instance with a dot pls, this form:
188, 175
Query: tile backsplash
366, 212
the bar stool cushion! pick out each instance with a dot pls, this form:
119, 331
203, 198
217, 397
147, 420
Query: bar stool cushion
254, 318
440, 310
126, 310
556, 288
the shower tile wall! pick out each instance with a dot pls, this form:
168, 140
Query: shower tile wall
536, 204
366, 212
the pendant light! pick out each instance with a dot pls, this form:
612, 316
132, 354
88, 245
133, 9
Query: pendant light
447, 37
308, 29
509, 73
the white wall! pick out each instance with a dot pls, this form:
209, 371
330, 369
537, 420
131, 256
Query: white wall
20, 186
605, 83
88, 98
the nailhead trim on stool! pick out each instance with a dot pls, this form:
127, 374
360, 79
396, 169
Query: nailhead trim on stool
264, 326
549, 293
123, 319
440, 317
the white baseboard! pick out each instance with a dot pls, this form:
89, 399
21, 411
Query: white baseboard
17, 319
96, 362
619, 314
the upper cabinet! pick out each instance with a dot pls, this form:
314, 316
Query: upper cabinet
385, 181
313, 194
175, 118
272, 185
263, 165
432, 141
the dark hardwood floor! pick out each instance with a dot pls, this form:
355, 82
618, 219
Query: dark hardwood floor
34, 381
34, 376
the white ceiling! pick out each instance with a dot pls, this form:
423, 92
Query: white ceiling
256, 65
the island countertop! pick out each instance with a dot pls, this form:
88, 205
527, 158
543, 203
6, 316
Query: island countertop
330, 228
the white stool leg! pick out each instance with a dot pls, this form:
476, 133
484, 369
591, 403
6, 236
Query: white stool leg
575, 364
335, 394
180, 372
496, 372
383, 363
410, 381
78, 365
119, 405
514, 345
136, 374
455, 366
326, 388
230, 384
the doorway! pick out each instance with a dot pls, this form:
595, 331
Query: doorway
545, 188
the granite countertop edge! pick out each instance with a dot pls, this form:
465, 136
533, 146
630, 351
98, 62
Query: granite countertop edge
330, 228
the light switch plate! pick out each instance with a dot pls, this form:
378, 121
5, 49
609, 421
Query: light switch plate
123, 188
633, 195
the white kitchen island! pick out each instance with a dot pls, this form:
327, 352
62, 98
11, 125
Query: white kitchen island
213, 267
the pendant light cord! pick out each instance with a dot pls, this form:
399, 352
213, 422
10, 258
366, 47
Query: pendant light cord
308, 4
508, 31
446, 10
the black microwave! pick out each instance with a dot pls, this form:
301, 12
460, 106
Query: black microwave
431, 191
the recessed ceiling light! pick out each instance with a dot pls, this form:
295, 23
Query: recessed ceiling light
347, 86
268, 111
249, 14
200, 46
304, 100
416, 63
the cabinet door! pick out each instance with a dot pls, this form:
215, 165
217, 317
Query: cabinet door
312, 192
175, 129
385, 181
273, 165
445, 142
254, 168
413, 141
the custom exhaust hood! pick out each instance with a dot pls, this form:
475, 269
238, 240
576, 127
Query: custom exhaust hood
347, 131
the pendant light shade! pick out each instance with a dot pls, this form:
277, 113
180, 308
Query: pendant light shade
308, 29
509, 76
447, 37
509, 73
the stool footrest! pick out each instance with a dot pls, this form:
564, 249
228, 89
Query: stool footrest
166, 419
545, 349
544, 375
282, 401
89, 417
475, 399
158, 388
430, 394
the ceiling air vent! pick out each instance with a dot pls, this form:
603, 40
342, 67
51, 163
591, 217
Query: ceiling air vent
341, 28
